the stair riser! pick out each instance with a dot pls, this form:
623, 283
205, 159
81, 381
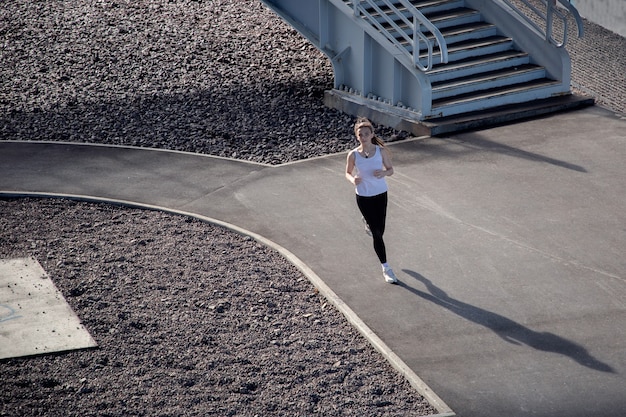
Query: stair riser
476, 69
487, 84
495, 101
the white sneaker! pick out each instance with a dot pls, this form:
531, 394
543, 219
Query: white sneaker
367, 227
390, 277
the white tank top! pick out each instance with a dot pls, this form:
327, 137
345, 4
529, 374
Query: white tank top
365, 167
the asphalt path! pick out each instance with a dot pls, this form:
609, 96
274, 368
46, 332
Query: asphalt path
509, 244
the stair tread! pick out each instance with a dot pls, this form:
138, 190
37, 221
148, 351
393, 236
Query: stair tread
466, 28
460, 29
484, 76
500, 56
427, 3
489, 93
450, 14
473, 44
420, 5
435, 16
476, 43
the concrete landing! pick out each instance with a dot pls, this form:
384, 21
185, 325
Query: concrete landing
401, 119
34, 317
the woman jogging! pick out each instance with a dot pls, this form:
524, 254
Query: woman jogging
366, 168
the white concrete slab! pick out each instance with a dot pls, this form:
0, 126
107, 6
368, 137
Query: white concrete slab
34, 317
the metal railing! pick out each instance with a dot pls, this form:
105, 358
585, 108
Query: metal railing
547, 17
415, 21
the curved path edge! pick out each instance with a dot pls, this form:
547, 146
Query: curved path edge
396, 362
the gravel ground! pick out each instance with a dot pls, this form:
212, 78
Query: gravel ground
599, 66
225, 78
191, 319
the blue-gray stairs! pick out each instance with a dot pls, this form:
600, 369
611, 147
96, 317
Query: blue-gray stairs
439, 66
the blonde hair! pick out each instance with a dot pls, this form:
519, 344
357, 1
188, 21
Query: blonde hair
364, 122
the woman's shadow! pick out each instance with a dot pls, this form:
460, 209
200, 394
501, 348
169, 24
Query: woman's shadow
507, 329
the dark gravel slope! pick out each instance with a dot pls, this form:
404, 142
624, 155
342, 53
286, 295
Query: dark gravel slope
226, 78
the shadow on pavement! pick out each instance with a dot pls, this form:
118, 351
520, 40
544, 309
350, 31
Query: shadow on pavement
475, 139
509, 330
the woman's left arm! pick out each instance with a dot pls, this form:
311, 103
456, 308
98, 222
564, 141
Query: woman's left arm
388, 171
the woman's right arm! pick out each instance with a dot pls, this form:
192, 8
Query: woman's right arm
350, 169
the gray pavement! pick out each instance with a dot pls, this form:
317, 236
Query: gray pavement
509, 244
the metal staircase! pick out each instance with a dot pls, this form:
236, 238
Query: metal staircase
436, 66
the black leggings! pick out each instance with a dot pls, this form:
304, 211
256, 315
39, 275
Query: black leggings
374, 210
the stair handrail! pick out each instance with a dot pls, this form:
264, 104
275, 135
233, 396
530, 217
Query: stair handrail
548, 17
415, 24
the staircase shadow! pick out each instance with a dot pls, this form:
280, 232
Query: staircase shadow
507, 329
475, 139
